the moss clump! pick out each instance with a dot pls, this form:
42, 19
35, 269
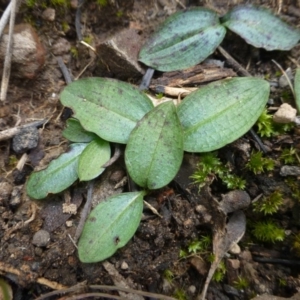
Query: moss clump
268, 231
268, 205
211, 167
259, 164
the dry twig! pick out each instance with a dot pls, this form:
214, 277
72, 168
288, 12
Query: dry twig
8, 55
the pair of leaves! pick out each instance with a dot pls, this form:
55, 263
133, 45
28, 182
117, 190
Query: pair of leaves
211, 117
187, 38
83, 161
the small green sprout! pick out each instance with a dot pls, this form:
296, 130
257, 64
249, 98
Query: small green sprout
201, 245
60, 2
258, 164
268, 231
180, 294
268, 205
102, 2
74, 52
282, 282
120, 14
288, 156
233, 182
168, 275
220, 272
183, 254
294, 186
296, 244
159, 95
88, 39
265, 124
241, 283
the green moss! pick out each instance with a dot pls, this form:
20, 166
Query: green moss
269, 205
65, 27
88, 39
220, 272
211, 167
201, 245
59, 2
180, 294
241, 283
268, 231
102, 2
74, 52
265, 124
288, 156
259, 164
296, 244
119, 14
159, 95
168, 275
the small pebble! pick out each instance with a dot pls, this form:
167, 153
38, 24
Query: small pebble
192, 289
6, 189
41, 238
30, 55
15, 199
69, 223
124, 265
290, 171
235, 249
62, 46
25, 140
49, 14
283, 82
285, 114
233, 263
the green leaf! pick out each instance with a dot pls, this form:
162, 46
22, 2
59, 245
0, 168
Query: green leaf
107, 107
184, 40
59, 175
155, 148
91, 160
74, 132
297, 89
260, 28
221, 112
110, 225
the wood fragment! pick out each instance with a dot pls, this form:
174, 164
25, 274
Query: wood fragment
11, 132
120, 281
191, 76
86, 210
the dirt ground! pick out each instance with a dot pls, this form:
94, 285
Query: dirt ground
36, 265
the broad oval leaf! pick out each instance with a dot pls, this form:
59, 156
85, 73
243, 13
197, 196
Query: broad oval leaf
184, 40
260, 28
154, 151
91, 160
110, 225
221, 112
107, 107
59, 175
297, 89
74, 132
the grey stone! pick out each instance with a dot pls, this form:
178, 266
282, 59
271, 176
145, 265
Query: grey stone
119, 55
25, 140
41, 238
28, 56
290, 171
